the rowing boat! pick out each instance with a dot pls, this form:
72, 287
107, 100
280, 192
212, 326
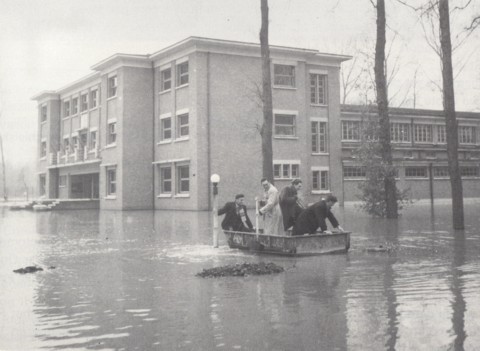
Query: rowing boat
302, 245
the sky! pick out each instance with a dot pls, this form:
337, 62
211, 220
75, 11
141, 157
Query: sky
46, 44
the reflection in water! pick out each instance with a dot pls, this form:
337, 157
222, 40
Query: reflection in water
126, 281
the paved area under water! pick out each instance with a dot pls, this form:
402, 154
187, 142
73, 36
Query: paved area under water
126, 281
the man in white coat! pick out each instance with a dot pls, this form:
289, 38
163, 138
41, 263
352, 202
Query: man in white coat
272, 214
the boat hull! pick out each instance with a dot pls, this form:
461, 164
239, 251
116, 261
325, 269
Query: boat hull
303, 245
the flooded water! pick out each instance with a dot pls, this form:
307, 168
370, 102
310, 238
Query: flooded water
126, 281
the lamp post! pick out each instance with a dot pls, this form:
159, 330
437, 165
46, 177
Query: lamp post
215, 179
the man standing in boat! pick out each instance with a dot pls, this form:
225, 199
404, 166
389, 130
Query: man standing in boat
314, 217
272, 214
290, 203
236, 217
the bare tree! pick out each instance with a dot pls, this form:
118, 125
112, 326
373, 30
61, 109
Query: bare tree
382, 102
266, 129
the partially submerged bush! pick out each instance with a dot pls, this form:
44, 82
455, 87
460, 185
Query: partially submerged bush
241, 270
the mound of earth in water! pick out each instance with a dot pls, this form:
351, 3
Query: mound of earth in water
241, 270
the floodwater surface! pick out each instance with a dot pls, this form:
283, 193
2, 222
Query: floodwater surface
126, 281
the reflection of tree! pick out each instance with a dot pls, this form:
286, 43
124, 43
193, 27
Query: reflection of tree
456, 286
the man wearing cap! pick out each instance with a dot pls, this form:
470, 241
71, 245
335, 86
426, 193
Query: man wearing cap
314, 217
290, 203
236, 217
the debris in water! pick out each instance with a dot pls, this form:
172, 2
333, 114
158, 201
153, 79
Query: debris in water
241, 270
380, 248
28, 269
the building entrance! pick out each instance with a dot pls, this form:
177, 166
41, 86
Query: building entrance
84, 186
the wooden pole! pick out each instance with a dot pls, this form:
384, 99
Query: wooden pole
256, 215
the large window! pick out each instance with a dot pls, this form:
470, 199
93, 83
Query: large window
318, 89
93, 98
111, 181
400, 132
183, 179
166, 79
182, 126
112, 133
74, 143
43, 149
469, 171
440, 172
43, 113
285, 125
441, 134
83, 102
466, 135
93, 140
66, 145
166, 179
74, 106
423, 133
353, 172
66, 108
286, 170
182, 74
166, 128
112, 86
415, 172
319, 137
284, 75
350, 130
320, 180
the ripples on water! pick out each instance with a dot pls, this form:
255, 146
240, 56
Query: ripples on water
126, 281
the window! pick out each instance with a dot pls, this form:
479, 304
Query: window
285, 125
66, 108
353, 172
318, 89
319, 137
466, 135
182, 126
112, 133
408, 154
284, 75
470, 171
415, 172
440, 172
166, 180
43, 149
62, 181
320, 180
66, 145
112, 86
83, 102
74, 106
111, 181
423, 133
351, 130
183, 179
93, 140
286, 170
75, 142
430, 154
166, 79
93, 98
400, 132
166, 128
182, 74
441, 134
43, 113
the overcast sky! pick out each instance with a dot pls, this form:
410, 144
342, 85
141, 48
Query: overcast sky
46, 44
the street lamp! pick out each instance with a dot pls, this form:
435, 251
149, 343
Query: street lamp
215, 179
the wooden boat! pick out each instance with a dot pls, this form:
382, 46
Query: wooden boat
302, 245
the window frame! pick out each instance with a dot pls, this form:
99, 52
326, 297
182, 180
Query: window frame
111, 135
43, 113
111, 184
416, 176
354, 172
179, 180
464, 137
289, 76
180, 126
180, 75
164, 81
318, 94
92, 140
163, 180
83, 102
112, 86
93, 100
74, 106
277, 125
43, 149
398, 134
423, 131
351, 130
316, 140
320, 180
292, 168
66, 108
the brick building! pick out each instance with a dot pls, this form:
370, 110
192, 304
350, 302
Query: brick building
147, 131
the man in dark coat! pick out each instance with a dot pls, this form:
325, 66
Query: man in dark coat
314, 217
289, 203
236, 217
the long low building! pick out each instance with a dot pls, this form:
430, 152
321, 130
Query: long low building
147, 131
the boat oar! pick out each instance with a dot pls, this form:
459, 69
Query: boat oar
256, 216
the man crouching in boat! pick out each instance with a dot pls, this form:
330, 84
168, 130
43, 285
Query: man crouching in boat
314, 216
236, 217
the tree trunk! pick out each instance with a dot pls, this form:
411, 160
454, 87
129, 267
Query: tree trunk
450, 118
5, 195
382, 101
266, 130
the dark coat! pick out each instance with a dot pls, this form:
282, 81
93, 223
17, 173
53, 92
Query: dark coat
233, 220
289, 205
314, 217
